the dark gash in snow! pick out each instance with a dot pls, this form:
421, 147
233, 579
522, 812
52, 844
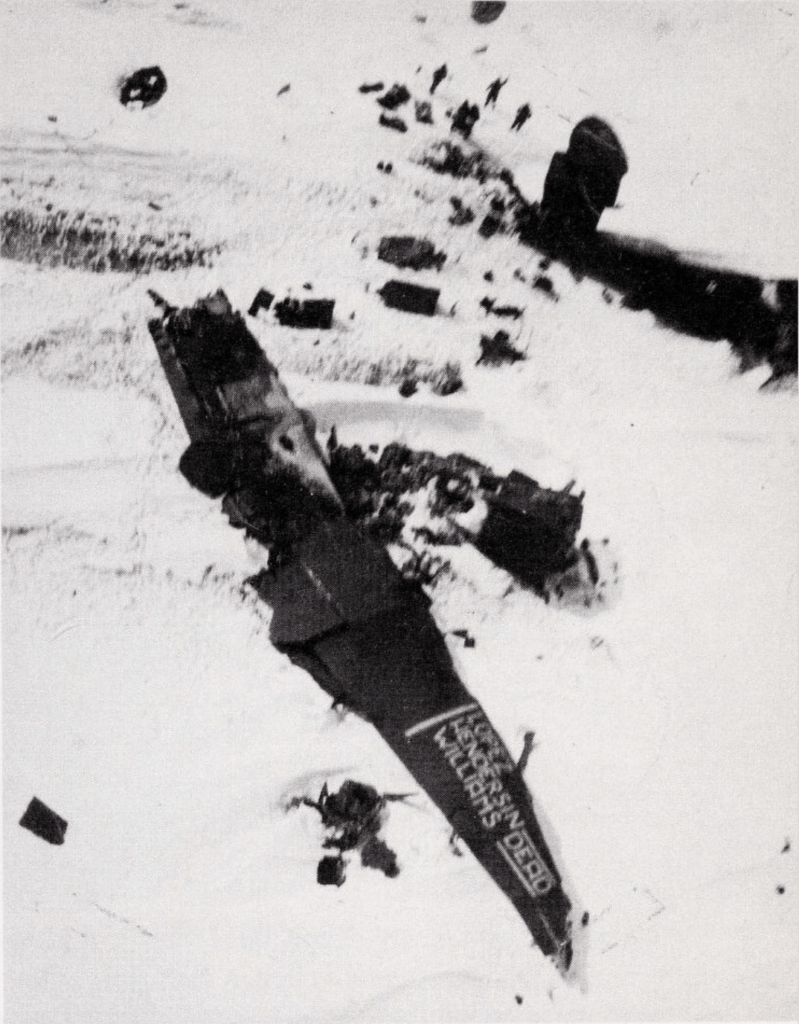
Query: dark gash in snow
341, 608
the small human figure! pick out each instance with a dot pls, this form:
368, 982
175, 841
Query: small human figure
438, 77
522, 115
493, 91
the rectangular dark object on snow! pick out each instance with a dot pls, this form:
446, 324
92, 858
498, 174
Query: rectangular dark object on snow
263, 300
411, 298
43, 822
407, 251
310, 313
529, 530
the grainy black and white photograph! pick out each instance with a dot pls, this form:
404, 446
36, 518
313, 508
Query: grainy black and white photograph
399, 511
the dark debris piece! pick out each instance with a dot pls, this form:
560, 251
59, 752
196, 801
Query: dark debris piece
544, 284
396, 96
145, 86
411, 298
486, 11
330, 871
308, 313
371, 87
353, 818
263, 300
462, 214
43, 822
424, 112
406, 251
491, 223
498, 350
466, 117
530, 530
396, 123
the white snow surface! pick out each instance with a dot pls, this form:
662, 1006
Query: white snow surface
142, 699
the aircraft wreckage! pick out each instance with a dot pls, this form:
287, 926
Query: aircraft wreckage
342, 610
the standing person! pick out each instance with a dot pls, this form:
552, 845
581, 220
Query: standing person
522, 114
493, 91
438, 76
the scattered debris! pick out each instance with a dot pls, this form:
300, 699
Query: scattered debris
262, 300
44, 823
406, 251
438, 76
411, 298
353, 818
448, 158
498, 350
385, 168
424, 111
396, 123
466, 117
143, 88
373, 87
447, 380
462, 215
396, 96
486, 11
284, 89
316, 314
342, 611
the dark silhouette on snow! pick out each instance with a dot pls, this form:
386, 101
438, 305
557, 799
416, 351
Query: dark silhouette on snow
438, 77
466, 117
523, 115
493, 91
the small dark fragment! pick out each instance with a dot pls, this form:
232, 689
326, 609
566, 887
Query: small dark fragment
544, 284
462, 215
424, 112
486, 11
330, 871
465, 635
395, 97
780, 890
786, 847
406, 251
375, 854
488, 276
585, 919
411, 298
393, 122
438, 76
308, 313
498, 350
491, 224
408, 387
262, 300
145, 86
284, 89
466, 117
372, 87
43, 822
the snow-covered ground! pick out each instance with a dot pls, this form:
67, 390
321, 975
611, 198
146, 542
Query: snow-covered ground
142, 699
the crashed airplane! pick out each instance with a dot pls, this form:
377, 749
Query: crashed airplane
342, 610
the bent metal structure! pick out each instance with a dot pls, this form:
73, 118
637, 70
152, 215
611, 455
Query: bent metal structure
343, 612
